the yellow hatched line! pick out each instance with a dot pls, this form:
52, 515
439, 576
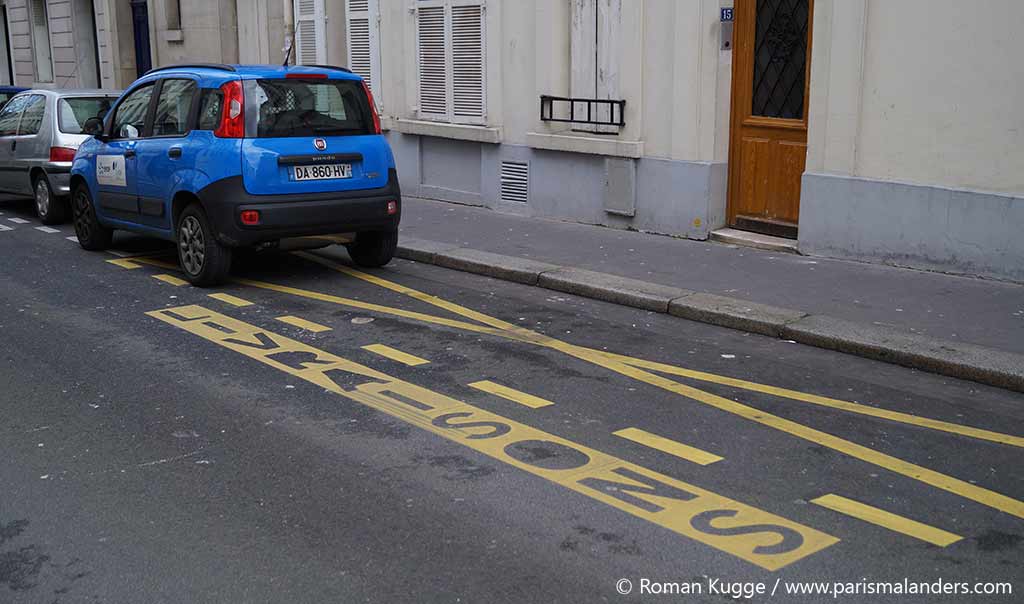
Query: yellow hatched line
171, 279
884, 519
396, 355
232, 300
304, 324
528, 400
124, 263
669, 446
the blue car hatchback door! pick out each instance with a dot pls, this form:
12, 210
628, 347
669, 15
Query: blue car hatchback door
218, 157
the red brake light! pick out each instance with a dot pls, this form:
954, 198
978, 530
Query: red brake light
232, 117
62, 154
306, 76
392, 207
250, 217
373, 109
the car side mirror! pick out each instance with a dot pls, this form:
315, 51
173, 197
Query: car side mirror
93, 127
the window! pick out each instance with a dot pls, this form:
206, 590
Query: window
41, 40
32, 118
10, 115
281, 108
310, 32
72, 113
363, 20
450, 51
210, 109
172, 12
594, 51
172, 107
130, 119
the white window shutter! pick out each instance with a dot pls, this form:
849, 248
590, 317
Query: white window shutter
468, 62
310, 32
432, 47
364, 42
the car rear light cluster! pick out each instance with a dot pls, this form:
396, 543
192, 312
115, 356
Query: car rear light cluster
250, 217
62, 154
232, 117
392, 207
373, 109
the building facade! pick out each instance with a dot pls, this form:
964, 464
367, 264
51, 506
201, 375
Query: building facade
866, 129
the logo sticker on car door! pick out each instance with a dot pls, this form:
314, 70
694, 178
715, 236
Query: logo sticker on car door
110, 170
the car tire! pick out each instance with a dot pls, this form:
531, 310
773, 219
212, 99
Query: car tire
373, 249
50, 209
91, 234
204, 260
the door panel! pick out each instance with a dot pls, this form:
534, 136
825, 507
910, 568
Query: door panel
768, 146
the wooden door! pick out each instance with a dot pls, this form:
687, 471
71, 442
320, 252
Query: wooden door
768, 128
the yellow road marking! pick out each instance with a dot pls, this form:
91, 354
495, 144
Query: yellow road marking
888, 520
671, 447
629, 367
171, 279
759, 537
396, 355
531, 401
304, 324
124, 263
232, 300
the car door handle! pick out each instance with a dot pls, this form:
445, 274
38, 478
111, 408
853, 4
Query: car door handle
129, 152
174, 152
14, 145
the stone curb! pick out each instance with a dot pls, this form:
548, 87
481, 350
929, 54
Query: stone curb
954, 359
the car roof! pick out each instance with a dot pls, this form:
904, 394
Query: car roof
71, 92
217, 74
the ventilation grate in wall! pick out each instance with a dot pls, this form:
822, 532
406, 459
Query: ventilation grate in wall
515, 181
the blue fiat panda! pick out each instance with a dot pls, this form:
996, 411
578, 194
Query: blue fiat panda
217, 157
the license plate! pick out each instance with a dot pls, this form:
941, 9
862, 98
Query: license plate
322, 172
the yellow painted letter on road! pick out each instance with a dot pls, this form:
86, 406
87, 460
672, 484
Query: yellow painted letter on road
764, 539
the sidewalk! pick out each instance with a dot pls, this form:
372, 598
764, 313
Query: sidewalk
962, 313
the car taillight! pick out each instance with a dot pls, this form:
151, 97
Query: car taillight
392, 207
373, 109
62, 154
232, 117
250, 217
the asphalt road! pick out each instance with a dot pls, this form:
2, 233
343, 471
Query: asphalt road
413, 434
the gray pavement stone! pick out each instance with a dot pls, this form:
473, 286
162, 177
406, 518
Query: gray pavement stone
610, 288
421, 250
737, 314
509, 268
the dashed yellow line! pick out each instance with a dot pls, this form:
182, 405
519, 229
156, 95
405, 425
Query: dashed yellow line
529, 400
171, 279
304, 324
666, 445
232, 300
888, 520
124, 263
396, 355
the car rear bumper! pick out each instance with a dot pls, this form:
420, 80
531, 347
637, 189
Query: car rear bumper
285, 216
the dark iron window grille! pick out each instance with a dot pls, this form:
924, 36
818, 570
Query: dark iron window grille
599, 112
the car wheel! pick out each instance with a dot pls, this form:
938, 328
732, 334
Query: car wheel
204, 260
91, 234
374, 249
50, 209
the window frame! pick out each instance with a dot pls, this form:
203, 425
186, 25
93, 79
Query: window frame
450, 117
190, 119
147, 125
30, 9
17, 124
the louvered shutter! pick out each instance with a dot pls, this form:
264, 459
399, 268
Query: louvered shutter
467, 44
310, 32
432, 47
364, 42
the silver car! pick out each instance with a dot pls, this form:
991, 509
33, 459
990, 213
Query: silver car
40, 130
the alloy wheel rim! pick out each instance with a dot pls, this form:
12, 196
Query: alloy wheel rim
42, 198
191, 245
81, 216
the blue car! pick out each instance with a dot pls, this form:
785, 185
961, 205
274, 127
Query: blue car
218, 157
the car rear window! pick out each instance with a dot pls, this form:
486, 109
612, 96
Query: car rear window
313, 107
73, 112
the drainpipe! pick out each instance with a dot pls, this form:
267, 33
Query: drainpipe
289, 30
